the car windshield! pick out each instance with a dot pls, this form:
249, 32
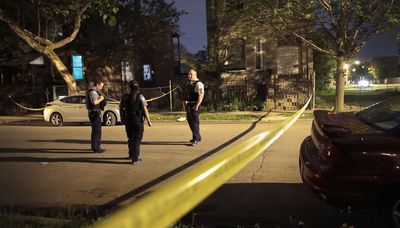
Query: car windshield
384, 115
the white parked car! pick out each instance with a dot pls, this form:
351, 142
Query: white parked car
73, 109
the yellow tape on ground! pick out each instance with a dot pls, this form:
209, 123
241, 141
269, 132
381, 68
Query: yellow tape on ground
155, 98
178, 196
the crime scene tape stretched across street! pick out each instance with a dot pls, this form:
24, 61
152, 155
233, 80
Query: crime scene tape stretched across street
41, 109
177, 196
165, 94
24, 107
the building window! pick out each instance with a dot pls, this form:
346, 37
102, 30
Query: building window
259, 55
288, 60
126, 71
235, 59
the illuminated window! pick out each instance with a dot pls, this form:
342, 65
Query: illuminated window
147, 73
126, 71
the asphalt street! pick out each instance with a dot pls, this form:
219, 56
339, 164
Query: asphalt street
53, 167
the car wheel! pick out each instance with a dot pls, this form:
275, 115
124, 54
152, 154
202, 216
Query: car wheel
109, 119
391, 209
396, 212
56, 119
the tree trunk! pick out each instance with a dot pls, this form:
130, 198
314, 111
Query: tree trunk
63, 70
339, 102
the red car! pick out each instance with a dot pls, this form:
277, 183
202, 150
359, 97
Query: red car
353, 158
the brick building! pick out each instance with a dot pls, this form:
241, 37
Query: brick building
271, 69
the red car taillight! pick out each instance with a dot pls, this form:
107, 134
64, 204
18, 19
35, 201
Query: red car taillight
332, 154
47, 105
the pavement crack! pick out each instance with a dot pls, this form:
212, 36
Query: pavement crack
253, 176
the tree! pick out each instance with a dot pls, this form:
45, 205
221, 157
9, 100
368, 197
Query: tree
324, 67
30, 20
384, 67
346, 25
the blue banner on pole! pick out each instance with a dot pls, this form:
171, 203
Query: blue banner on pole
77, 67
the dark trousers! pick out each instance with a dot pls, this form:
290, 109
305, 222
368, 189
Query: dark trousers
193, 119
95, 121
134, 130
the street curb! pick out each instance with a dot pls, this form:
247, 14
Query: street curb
39, 121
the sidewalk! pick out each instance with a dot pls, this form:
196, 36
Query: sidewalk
22, 118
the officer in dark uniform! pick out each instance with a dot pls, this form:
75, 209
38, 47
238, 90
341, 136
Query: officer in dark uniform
133, 111
94, 102
192, 102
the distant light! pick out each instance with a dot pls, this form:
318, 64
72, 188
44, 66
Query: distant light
363, 83
357, 62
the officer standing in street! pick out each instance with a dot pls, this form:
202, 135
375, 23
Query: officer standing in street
192, 102
94, 103
133, 111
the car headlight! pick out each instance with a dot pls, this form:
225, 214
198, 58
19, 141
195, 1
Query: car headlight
363, 83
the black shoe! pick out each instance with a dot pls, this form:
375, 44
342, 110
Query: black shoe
99, 151
195, 142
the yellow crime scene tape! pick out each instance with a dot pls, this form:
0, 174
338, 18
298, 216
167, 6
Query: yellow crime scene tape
40, 109
24, 107
179, 195
165, 94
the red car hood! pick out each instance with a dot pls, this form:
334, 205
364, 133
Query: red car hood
333, 123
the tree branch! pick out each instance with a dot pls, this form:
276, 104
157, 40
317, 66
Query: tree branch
77, 26
302, 37
328, 8
33, 41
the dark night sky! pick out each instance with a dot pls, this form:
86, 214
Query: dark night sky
383, 44
194, 33
193, 24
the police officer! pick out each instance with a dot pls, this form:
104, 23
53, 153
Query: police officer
133, 111
192, 102
94, 100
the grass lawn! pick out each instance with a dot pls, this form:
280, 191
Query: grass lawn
210, 116
355, 98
